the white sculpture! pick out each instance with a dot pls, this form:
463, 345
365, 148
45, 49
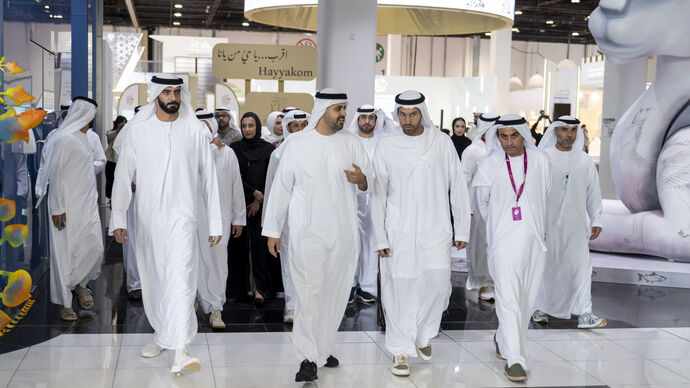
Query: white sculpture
650, 147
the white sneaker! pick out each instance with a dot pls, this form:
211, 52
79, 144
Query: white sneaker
216, 320
540, 317
184, 363
400, 366
151, 350
590, 321
289, 316
487, 293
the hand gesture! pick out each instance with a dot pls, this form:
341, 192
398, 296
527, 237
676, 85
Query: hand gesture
59, 221
121, 235
274, 246
355, 177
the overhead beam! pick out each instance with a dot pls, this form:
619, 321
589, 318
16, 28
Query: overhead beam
132, 13
212, 12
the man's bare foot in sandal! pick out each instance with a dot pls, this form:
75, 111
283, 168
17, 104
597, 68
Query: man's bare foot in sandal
68, 314
84, 297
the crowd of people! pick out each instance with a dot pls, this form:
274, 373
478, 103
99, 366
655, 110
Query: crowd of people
323, 217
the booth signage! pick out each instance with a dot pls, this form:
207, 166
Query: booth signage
276, 62
263, 103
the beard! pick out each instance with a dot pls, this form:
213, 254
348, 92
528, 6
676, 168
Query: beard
169, 108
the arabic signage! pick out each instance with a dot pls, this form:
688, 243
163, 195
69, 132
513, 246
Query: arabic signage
266, 102
276, 62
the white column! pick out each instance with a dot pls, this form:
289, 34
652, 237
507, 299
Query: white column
346, 44
623, 84
500, 53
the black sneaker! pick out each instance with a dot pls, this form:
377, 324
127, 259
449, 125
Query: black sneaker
515, 373
332, 362
365, 297
351, 299
134, 295
307, 372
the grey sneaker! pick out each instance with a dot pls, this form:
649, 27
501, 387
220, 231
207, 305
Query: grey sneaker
515, 372
424, 353
590, 321
498, 352
400, 366
540, 317
487, 293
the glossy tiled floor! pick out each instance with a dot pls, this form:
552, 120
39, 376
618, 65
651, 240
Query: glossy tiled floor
647, 345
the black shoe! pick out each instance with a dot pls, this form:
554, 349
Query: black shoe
134, 295
332, 362
365, 297
307, 372
258, 301
351, 299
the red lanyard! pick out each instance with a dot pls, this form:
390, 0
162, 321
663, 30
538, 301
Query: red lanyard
512, 181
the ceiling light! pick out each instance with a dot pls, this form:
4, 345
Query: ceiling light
574, 1
178, 6
245, 24
515, 30
518, 12
47, 6
176, 23
487, 33
575, 34
549, 22
177, 14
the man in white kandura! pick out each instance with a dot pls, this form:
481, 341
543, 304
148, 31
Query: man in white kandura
76, 238
479, 284
573, 217
213, 264
321, 170
420, 182
294, 121
167, 148
368, 126
511, 185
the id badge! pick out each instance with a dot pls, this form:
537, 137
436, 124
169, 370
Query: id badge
517, 213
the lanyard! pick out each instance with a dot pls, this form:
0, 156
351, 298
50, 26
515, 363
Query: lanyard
512, 181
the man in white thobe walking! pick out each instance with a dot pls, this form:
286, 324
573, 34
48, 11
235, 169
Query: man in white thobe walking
167, 148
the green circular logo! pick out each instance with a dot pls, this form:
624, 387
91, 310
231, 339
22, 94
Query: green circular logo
379, 52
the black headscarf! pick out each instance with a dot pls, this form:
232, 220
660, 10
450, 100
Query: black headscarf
253, 149
460, 142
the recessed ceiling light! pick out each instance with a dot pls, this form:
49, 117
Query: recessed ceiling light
245, 24
487, 33
574, 1
515, 30
575, 34
176, 23
549, 22
177, 14
178, 6
518, 12
47, 6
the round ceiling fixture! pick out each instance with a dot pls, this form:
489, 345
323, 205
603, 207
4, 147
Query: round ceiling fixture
404, 17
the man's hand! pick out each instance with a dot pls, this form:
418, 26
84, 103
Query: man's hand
253, 208
356, 177
258, 196
134, 187
595, 233
59, 221
385, 252
121, 235
460, 245
274, 246
217, 142
236, 231
214, 240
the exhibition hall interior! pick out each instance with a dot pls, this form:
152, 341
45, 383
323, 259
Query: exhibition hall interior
139, 249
